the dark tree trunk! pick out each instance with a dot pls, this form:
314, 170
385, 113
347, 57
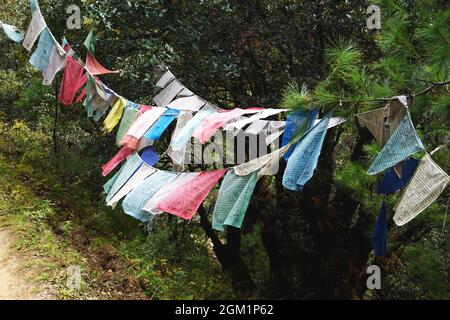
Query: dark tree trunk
229, 256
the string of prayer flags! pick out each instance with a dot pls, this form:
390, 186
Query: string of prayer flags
303, 161
391, 182
186, 199
233, 200
135, 201
403, 143
128, 169
12, 32
157, 129
182, 137
130, 114
40, 57
213, 122
167, 190
73, 79
35, 28
137, 177
115, 115
379, 235
426, 185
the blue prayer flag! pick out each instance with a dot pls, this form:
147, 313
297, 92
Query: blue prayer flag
379, 236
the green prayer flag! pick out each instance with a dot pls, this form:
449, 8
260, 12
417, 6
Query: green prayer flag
89, 42
234, 198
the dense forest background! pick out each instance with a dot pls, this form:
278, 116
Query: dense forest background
314, 244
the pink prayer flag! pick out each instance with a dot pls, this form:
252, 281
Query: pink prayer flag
185, 200
213, 122
95, 68
116, 160
144, 108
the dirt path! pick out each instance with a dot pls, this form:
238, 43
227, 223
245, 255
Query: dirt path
13, 280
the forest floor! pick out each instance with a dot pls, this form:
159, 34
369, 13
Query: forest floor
36, 258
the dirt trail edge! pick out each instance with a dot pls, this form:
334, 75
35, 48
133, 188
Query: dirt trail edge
13, 280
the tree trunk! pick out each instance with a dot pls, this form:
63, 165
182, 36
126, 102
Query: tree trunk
229, 256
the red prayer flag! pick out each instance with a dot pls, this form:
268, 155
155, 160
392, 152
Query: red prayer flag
186, 199
73, 79
94, 67
116, 160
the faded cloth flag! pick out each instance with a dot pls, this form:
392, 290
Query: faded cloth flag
178, 156
136, 179
382, 122
185, 133
144, 121
233, 200
166, 95
164, 80
260, 162
426, 185
73, 79
135, 201
260, 115
40, 57
108, 185
213, 122
379, 235
192, 103
403, 143
303, 161
178, 180
12, 33
391, 182
56, 63
158, 128
35, 28
129, 168
186, 199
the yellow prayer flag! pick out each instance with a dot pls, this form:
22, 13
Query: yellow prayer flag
114, 115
